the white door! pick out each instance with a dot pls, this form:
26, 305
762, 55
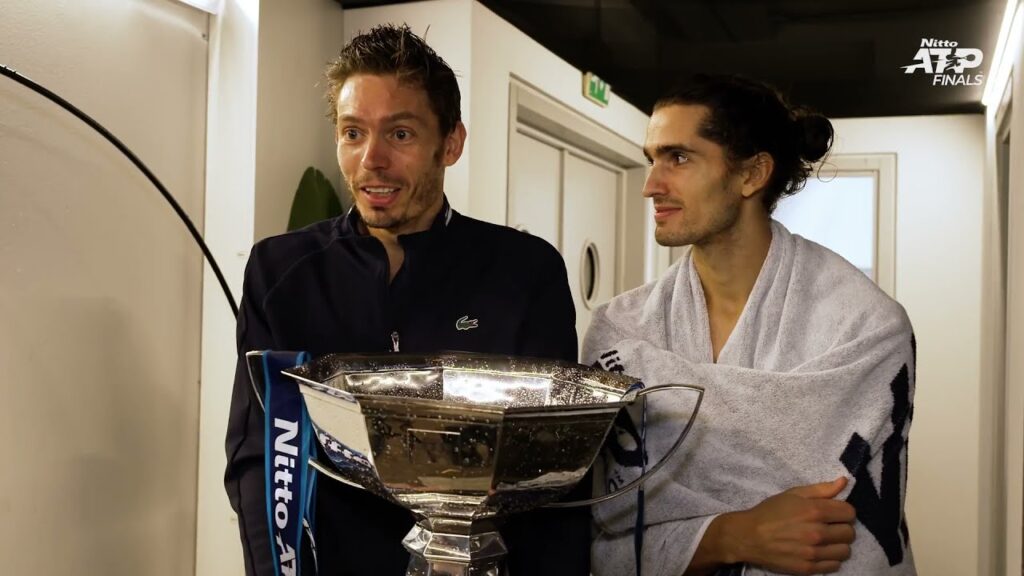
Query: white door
571, 199
534, 187
838, 214
590, 198
850, 208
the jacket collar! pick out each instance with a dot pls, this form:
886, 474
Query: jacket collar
348, 223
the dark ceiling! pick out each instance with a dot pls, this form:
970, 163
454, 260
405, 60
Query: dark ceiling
844, 58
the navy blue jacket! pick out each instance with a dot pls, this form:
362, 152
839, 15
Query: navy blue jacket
325, 289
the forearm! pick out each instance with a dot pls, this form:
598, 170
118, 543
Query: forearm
245, 485
244, 476
549, 328
800, 531
246, 492
717, 548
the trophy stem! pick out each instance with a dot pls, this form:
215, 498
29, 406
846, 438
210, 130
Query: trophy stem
455, 547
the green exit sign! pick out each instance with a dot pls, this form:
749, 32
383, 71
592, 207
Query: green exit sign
596, 90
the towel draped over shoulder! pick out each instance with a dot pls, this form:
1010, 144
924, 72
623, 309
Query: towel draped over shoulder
816, 381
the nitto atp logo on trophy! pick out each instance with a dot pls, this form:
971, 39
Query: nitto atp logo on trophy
948, 63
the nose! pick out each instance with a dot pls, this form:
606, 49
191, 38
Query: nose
653, 185
375, 154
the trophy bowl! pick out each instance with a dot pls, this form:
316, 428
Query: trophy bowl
460, 439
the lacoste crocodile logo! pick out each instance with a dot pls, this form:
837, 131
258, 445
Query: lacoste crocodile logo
465, 323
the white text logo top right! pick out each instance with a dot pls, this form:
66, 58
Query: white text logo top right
948, 63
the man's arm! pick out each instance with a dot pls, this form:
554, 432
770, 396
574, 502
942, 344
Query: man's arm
549, 327
244, 478
799, 531
550, 542
803, 530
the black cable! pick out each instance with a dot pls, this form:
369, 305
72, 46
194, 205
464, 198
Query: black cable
14, 75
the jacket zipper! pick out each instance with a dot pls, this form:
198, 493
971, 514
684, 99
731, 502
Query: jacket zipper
394, 341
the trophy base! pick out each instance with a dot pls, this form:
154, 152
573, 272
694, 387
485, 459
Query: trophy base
452, 547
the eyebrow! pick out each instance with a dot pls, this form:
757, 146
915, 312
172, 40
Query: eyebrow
665, 149
396, 117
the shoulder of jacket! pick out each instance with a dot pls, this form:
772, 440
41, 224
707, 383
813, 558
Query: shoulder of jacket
296, 242
272, 257
498, 238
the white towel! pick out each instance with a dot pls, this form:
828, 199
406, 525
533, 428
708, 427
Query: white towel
816, 381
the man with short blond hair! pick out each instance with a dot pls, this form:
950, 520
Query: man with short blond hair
404, 272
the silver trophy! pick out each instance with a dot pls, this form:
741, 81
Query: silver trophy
463, 440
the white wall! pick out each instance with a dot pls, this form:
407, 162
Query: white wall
230, 215
100, 289
1014, 408
266, 125
1005, 399
500, 51
486, 52
296, 40
940, 164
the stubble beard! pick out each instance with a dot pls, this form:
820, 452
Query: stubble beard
422, 194
720, 222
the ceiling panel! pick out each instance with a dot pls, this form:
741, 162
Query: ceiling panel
844, 58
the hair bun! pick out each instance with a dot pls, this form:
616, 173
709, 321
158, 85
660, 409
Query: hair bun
814, 135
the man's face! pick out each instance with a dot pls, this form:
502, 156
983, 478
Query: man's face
392, 153
696, 197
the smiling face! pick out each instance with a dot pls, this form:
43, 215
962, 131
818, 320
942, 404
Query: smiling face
392, 154
697, 198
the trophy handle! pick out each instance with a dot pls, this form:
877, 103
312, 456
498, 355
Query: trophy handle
643, 478
316, 465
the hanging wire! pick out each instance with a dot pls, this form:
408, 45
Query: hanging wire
14, 75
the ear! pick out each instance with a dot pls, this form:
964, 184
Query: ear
757, 172
453, 144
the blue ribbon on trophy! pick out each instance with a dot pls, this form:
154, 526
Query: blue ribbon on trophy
290, 481
638, 529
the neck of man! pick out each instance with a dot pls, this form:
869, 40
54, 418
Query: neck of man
728, 265
389, 236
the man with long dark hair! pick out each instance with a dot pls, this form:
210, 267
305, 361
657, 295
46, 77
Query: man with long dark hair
797, 463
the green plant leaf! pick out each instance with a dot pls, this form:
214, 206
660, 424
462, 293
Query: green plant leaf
315, 200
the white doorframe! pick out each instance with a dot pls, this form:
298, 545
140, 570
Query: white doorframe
543, 118
1003, 332
881, 167
570, 150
